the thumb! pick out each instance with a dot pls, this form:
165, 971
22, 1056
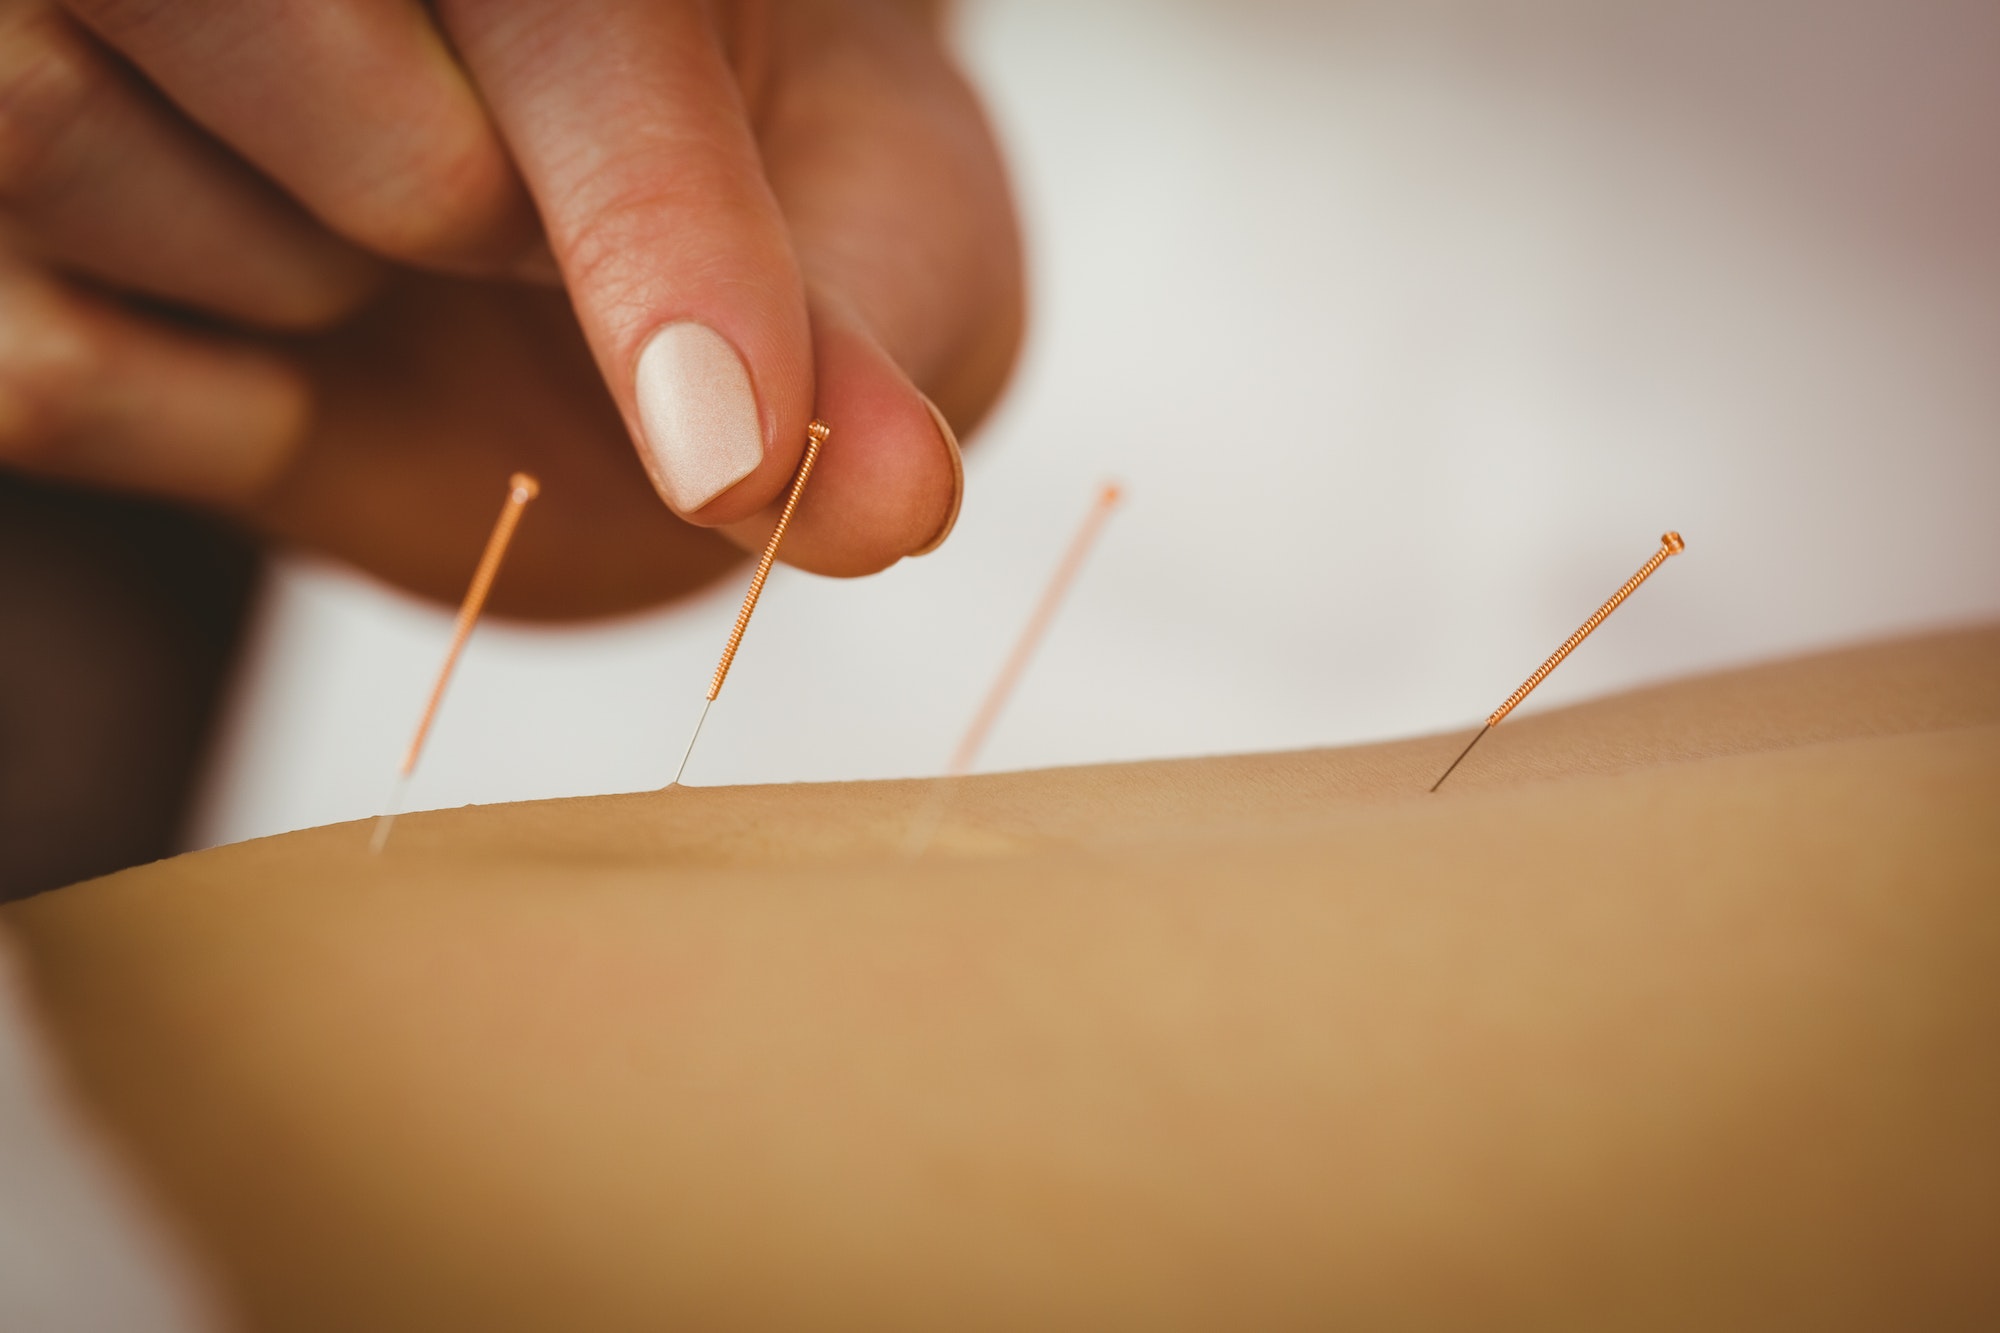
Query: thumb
627, 123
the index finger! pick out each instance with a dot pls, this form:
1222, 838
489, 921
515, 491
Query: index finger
357, 107
627, 122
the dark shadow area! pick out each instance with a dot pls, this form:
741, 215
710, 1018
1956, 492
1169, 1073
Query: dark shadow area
119, 621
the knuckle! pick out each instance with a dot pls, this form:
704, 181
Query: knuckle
317, 306
448, 202
615, 246
49, 82
322, 290
599, 256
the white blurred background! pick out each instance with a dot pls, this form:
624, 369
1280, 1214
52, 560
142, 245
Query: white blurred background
1409, 327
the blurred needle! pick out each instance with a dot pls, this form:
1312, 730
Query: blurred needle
521, 488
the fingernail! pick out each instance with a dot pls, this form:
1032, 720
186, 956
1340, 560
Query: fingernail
957, 479
698, 414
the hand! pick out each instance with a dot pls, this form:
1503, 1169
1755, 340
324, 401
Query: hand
809, 181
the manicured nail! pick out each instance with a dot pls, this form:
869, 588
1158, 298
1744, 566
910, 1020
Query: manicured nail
957, 479
698, 414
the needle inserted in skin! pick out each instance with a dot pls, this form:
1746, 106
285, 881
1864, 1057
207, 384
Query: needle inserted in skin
1031, 636
1670, 544
1017, 661
521, 488
692, 738
1477, 736
816, 434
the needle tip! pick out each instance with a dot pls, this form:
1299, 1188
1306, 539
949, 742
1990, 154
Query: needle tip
1461, 757
692, 738
386, 821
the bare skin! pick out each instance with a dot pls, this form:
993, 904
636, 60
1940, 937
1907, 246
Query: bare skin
1677, 1009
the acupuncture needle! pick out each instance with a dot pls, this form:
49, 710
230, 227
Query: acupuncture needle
1017, 661
1670, 544
816, 433
1037, 626
521, 488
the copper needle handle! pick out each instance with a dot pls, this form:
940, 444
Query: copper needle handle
521, 488
816, 434
1670, 544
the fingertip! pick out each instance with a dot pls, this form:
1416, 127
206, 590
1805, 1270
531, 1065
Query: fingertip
700, 430
948, 438
93, 393
887, 484
630, 131
316, 297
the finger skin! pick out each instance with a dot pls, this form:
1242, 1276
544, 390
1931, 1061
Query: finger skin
895, 193
357, 107
425, 402
898, 206
430, 390
885, 485
627, 123
92, 393
892, 196
100, 176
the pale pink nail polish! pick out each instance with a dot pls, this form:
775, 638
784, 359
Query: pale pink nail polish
698, 414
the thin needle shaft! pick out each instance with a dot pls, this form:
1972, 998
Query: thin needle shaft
816, 433
1670, 544
926, 825
705, 706
387, 819
1462, 753
521, 488
1031, 636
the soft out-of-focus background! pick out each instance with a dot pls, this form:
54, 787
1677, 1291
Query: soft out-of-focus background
1410, 327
